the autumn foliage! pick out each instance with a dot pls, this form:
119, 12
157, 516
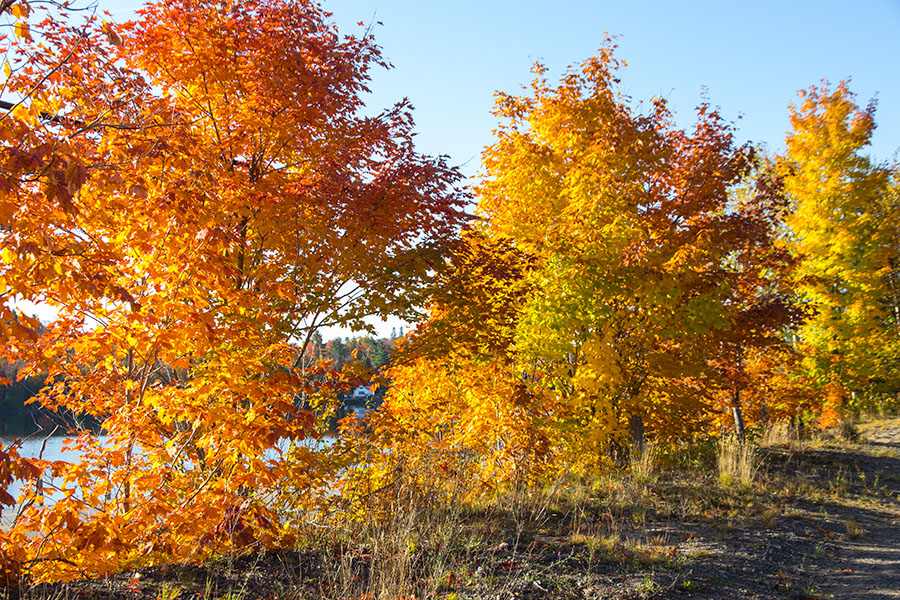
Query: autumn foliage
845, 229
630, 280
644, 274
205, 196
196, 193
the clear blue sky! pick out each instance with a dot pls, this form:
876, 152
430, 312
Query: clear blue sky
752, 57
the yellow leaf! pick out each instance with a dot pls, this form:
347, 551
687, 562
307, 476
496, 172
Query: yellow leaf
22, 30
7, 69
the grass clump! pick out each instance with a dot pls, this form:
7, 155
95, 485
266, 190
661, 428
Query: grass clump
643, 465
737, 462
854, 530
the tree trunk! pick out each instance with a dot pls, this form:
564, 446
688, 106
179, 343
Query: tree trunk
738, 416
636, 429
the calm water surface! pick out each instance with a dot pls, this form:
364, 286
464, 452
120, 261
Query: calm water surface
53, 450
31, 448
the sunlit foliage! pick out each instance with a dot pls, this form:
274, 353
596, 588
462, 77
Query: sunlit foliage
195, 193
844, 230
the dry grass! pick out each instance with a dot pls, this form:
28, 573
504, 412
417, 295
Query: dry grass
411, 547
778, 434
736, 462
424, 543
854, 530
643, 465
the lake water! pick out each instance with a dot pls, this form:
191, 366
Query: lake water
31, 448
53, 450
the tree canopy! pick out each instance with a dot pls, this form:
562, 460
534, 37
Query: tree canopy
197, 193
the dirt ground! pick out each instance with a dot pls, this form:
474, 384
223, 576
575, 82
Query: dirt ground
837, 537
822, 521
843, 545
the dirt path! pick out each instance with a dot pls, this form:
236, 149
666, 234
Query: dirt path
823, 523
835, 535
870, 565
842, 542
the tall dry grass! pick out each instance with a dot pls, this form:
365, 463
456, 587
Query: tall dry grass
406, 541
780, 433
736, 462
643, 465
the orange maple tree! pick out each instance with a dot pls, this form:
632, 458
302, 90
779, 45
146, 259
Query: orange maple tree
194, 194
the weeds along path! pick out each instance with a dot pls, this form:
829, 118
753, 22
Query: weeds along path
821, 521
827, 525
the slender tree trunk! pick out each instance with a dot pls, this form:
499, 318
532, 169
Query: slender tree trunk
738, 416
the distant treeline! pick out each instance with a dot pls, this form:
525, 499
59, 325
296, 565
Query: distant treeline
15, 417
374, 352
18, 417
